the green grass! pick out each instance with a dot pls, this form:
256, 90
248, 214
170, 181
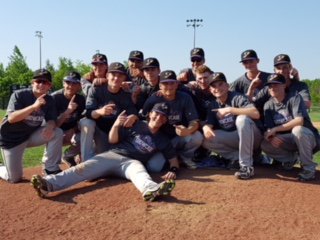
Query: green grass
32, 156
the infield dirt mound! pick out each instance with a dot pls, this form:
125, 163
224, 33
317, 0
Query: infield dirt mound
206, 204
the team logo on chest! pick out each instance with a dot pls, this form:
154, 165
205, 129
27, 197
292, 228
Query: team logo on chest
144, 143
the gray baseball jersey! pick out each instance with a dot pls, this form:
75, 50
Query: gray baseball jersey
99, 96
13, 134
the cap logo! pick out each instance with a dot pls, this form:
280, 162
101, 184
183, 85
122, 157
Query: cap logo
135, 53
246, 54
215, 75
149, 61
273, 77
280, 57
167, 74
164, 106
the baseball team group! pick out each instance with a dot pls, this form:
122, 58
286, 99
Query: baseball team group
130, 121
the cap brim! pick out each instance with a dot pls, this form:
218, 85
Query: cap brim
134, 58
117, 71
158, 111
273, 82
282, 62
101, 62
145, 67
42, 78
168, 80
197, 57
73, 81
246, 59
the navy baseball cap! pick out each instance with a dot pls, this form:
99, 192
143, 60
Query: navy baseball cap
162, 108
150, 63
281, 59
72, 77
168, 76
136, 55
218, 76
249, 55
197, 54
117, 67
43, 74
275, 78
99, 59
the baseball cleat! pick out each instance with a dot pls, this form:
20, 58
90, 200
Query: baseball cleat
244, 173
164, 189
40, 185
307, 175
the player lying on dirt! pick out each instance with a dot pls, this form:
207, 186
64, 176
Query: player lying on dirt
133, 148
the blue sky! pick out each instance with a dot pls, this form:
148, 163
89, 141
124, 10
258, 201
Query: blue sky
76, 29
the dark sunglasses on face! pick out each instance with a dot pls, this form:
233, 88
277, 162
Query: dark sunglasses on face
196, 60
38, 81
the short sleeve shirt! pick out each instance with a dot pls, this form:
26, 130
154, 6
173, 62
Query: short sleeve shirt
228, 122
13, 134
99, 96
139, 143
278, 113
182, 111
62, 103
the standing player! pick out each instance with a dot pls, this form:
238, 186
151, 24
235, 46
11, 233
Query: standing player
151, 71
230, 130
134, 146
98, 74
289, 128
134, 71
70, 106
22, 128
197, 59
253, 80
183, 123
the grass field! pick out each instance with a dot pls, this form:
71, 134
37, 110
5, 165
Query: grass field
32, 156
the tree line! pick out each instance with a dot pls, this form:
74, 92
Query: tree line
18, 73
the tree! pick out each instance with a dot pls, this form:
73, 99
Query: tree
314, 88
82, 68
64, 67
17, 72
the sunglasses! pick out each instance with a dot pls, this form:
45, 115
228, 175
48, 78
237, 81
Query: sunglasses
196, 60
38, 81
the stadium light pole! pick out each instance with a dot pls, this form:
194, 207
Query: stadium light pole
39, 35
194, 23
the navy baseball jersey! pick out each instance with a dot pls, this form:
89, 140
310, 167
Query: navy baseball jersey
139, 143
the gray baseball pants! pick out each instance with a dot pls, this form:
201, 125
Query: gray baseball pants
12, 170
301, 140
93, 140
186, 146
101, 165
239, 144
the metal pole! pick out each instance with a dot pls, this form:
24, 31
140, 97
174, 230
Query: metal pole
194, 23
40, 53
194, 35
39, 35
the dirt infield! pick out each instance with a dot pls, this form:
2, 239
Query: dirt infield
206, 204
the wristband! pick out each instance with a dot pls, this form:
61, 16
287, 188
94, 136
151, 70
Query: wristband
174, 170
